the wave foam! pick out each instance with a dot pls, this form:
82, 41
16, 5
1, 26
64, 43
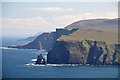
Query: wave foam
8, 48
33, 64
33, 60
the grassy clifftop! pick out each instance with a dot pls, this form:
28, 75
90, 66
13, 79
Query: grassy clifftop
95, 29
108, 35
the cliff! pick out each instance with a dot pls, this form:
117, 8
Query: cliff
95, 42
47, 40
84, 52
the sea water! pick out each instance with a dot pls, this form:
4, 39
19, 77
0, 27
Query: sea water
19, 63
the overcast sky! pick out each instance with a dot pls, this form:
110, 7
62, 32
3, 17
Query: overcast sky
26, 18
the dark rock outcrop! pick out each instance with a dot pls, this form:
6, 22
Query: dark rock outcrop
82, 52
47, 40
40, 60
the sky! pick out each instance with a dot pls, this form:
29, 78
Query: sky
29, 18
60, 0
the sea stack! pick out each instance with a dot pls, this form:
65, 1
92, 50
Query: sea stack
40, 60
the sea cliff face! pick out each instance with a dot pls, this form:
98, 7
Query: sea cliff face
83, 52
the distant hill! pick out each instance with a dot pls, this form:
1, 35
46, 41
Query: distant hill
31, 38
47, 40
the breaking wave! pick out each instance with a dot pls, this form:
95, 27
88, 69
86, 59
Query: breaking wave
33, 64
8, 48
33, 60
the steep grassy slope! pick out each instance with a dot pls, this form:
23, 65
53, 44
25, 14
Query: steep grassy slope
108, 35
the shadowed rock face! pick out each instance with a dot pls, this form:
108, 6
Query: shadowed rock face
47, 40
94, 54
116, 55
59, 54
84, 52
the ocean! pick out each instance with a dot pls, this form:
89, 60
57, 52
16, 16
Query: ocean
19, 63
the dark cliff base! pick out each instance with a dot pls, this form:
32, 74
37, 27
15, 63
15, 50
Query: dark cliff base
59, 54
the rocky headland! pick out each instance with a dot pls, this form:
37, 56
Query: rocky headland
93, 41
